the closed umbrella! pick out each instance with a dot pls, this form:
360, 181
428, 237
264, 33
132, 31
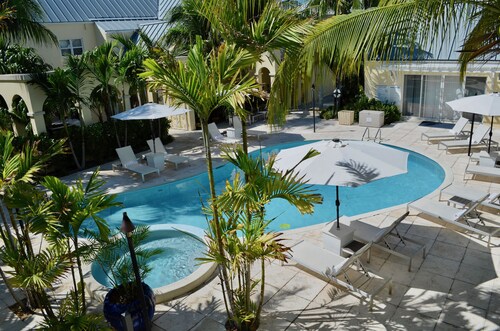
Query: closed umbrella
484, 104
149, 111
351, 163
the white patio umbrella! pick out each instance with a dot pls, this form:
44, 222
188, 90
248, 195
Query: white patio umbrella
484, 104
149, 111
351, 163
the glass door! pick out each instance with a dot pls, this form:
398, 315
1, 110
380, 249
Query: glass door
411, 95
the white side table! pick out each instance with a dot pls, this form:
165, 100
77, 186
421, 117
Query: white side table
156, 160
335, 239
230, 132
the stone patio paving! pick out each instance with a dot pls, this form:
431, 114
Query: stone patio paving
455, 287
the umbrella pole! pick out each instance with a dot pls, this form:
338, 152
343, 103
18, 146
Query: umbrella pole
491, 133
337, 203
152, 135
471, 131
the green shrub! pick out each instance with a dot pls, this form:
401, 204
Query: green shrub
328, 113
361, 102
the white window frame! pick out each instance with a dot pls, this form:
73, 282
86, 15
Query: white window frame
71, 47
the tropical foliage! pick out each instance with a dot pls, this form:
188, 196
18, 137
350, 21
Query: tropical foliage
245, 232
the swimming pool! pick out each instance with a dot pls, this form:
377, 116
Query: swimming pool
174, 272
179, 202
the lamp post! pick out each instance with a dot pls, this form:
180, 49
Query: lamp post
313, 88
336, 95
127, 228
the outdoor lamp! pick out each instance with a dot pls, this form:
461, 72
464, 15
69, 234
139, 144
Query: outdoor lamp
127, 228
336, 94
313, 88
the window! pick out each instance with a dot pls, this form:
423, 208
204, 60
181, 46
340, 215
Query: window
71, 47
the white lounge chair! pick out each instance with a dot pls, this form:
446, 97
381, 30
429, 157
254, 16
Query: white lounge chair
464, 196
365, 233
485, 167
218, 137
450, 215
335, 267
129, 162
478, 139
171, 158
455, 132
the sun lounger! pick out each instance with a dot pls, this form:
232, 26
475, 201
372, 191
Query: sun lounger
463, 196
478, 139
218, 137
171, 158
455, 132
381, 237
336, 267
450, 215
485, 167
129, 162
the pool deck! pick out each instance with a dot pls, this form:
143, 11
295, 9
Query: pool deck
457, 286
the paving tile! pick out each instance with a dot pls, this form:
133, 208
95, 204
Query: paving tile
208, 324
453, 237
440, 266
449, 251
410, 319
304, 286
468, 293
397, 271
284, 306
462, 315
478, 258
431, 281
178, 319
422, 301
320, 317
474, 275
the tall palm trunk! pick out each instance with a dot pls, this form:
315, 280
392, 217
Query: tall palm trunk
73, 153
213, 196
11, 291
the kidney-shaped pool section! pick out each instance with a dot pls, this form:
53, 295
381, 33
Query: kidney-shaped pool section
179, 202
173, 272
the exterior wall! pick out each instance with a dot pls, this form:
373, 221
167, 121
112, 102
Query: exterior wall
88, 32
16, 85
390, 76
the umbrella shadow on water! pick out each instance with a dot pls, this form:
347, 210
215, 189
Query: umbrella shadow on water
360, 171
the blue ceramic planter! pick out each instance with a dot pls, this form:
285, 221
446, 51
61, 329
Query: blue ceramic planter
113, 312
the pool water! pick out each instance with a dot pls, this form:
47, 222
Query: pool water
176, 261
179, 202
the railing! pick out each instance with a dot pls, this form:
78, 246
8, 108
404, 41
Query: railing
366, 135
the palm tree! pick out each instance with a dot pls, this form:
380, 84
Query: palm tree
205, 83
343, 41
16, 59
187, 23
61, 98
78, 82
258, 26
246, 234
21, 20
19, 174
72, 206
101, 63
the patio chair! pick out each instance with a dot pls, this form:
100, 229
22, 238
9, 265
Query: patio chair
485, 167
129, 162
478, 139
455, 132
462, 196
218, 137
381, 238
454, 216
335, 267
171, 158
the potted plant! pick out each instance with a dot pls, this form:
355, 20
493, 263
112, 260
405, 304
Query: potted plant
124, 298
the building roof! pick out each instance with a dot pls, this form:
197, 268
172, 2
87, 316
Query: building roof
125, 25
61, 11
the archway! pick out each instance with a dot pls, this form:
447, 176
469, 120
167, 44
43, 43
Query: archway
5, 118
21, 120
264, 79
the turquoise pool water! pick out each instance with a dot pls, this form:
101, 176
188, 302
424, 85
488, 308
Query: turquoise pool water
179, 202
176, 261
